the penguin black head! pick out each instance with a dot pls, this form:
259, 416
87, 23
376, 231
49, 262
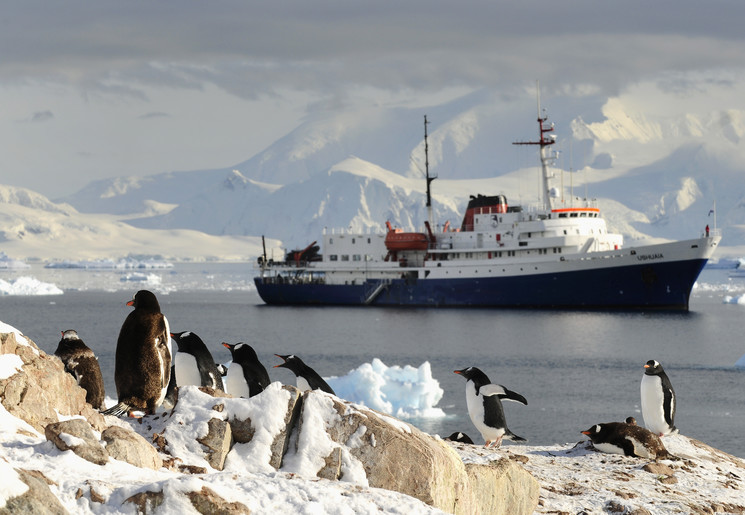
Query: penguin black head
459, 437
145, 300
70, 342
474, 374
187, 341
594, 432
292, 363
241, 352
652, 368
631, 421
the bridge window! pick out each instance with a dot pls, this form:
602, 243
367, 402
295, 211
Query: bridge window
356, 257
345, 257
333, 257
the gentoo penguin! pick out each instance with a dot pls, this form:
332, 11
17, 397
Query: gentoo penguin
246, 375
80, 361
459, 437
627, 439
142, 369
307, 378
658, 400
193, 362
484, 402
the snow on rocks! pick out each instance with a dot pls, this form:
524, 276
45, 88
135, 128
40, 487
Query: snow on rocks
576, 478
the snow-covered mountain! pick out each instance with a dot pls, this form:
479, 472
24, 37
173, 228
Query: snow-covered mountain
655, 175
36, 229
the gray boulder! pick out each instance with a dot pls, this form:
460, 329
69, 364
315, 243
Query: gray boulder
77, 436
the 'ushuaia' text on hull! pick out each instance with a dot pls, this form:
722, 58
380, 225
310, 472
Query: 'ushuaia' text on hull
558, 255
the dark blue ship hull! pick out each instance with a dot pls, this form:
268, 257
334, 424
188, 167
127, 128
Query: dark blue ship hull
659, 286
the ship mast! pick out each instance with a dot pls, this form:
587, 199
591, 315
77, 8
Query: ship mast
544, 141
426, 170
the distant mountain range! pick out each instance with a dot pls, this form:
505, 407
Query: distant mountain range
654, 179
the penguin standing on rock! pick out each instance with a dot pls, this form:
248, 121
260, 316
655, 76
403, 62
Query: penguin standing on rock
658, 400
246, 375
307, 378
627, 439
193, 362
142, 368
484, 401
80, 361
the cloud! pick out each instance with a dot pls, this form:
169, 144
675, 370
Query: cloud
41, 116
251, 49
154, 114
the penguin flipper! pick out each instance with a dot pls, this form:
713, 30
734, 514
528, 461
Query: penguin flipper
502, 393
117, 410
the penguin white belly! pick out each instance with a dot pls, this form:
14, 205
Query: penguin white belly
302, 384
475, 405
187, 370
608, 448
653, 400
236, 383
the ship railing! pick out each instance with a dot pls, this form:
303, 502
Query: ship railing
290, 279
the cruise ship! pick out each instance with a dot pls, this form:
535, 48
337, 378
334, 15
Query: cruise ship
556, 255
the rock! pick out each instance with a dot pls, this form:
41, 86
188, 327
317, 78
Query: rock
502, 488
659, 469
146, 502
76, 435
615, 507
332, 465
207, 502
218, 441
37, 499
126, 445
396, 456
42, 388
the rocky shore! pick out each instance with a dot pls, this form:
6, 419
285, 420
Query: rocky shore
287, 451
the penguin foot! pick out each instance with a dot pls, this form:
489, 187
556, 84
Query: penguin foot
117, 410
494, 444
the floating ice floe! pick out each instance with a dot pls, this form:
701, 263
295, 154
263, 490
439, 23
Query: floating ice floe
406, 392
146, 279
28, 286
110, 264
9, 263
738, 299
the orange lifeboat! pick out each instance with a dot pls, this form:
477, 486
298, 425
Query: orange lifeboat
397, 240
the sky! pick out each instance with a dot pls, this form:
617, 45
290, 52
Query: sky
104, 89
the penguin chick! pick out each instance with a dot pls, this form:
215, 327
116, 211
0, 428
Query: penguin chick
484, 401
142, 368
307, 378
81, 362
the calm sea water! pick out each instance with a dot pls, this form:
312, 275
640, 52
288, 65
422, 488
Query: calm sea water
575, 368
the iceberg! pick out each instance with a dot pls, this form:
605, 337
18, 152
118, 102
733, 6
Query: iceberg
28, 286
407, 392
9, 263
